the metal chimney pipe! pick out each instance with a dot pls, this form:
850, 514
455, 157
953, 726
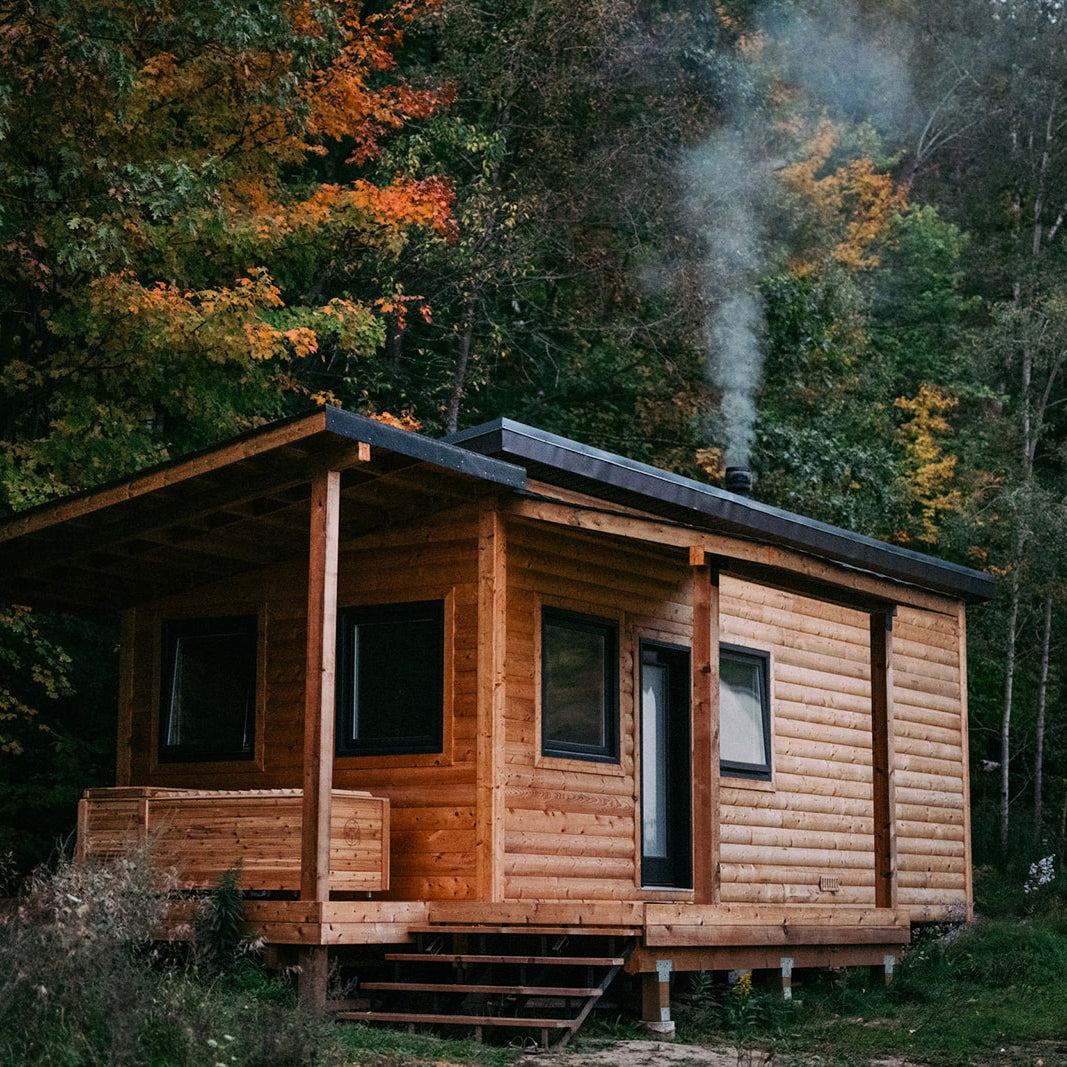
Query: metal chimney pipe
739, 480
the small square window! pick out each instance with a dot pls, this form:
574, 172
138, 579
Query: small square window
391, 680
744, 713
208, 689
579, 686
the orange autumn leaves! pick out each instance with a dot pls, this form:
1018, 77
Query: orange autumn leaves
850, 205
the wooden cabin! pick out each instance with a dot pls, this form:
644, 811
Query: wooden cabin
519, 693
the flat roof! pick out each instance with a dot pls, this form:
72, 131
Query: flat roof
561, 462
242, 504
231, 508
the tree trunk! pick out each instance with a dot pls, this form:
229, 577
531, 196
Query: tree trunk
1042, 696
459, 373
1005, 722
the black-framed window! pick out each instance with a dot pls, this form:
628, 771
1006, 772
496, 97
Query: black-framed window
744, 713
390, 695
579, 686
208, 689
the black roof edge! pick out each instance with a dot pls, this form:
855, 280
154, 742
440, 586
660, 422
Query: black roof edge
559, 460
439, 452
341, 423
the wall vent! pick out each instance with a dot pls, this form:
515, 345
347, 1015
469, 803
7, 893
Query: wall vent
829, 883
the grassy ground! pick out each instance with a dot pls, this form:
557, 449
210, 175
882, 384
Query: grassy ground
81, 985
994, 991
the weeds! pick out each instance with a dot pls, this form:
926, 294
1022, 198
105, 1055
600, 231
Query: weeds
81, 982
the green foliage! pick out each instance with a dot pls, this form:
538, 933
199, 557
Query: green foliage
218, 931
174, 272
81, 984
963, 995
59, 689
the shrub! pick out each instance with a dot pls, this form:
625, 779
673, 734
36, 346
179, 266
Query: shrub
81, 982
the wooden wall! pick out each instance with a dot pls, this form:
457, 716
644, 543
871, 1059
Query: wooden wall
815, 817
432, 797
930, 763
570, 827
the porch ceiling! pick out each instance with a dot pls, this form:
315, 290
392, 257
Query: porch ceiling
231, 509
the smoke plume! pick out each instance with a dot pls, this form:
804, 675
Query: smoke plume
729, 183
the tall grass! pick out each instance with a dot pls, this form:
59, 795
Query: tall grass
83, 983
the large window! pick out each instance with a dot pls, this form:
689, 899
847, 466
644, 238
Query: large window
208, 689
744, 713
390, 682
579, 686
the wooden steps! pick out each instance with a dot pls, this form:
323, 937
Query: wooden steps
467, 958
489, 978
469, 987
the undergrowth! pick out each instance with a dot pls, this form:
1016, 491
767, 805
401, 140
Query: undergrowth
82, 984
989, 991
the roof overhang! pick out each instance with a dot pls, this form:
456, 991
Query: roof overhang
230, 509
569, 465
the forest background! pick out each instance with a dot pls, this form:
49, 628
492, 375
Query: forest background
827, 238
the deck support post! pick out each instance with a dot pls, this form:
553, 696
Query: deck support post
885, 838
705, 767
319, 719
656, 1000
787, 977
312, 980
884, 972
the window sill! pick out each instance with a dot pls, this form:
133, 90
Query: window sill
758, 785
581, 766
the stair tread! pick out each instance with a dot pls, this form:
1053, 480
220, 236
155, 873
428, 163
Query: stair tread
466, 987
470, 957
459, 1020
531, 929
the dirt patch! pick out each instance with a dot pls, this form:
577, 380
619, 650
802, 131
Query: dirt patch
650, 1053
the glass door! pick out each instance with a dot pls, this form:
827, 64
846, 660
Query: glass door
666, 790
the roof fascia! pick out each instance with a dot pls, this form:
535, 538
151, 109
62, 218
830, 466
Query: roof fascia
308, 428
543, 453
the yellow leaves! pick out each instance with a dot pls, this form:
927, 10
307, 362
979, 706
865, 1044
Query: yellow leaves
380, 213
929, 471
223, 325
713, 461
853, 204
302, 340
397, 305
404, 421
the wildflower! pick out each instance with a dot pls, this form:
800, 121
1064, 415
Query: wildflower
1041, 873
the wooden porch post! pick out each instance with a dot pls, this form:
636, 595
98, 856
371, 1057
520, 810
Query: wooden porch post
124, 746
492, 622
885, 836
319, 719
706, 833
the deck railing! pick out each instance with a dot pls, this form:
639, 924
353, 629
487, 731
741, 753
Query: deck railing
203, 833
